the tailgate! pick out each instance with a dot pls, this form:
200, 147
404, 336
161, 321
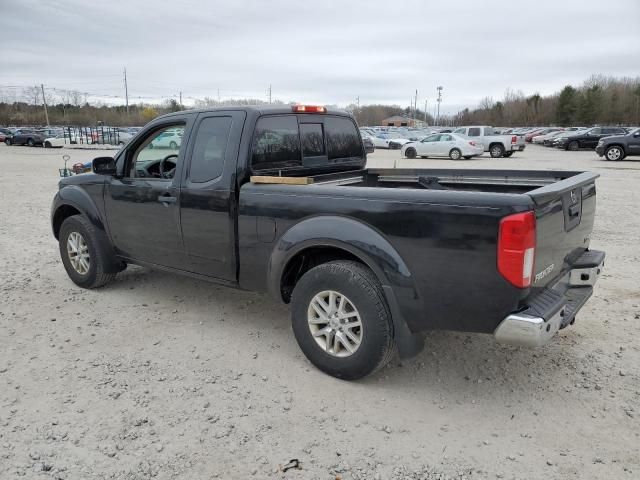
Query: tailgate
565, 212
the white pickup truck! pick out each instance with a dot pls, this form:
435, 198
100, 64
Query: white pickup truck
496, 145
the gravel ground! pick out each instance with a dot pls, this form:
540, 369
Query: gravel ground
159, 376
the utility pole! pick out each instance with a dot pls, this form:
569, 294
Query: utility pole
425, 112
126, 91
218, 96
44, 102
358, 102
415, 108
269, 94
180, 98
439, 100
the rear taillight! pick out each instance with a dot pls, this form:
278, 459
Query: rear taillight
473, 144
514, 139
517, 247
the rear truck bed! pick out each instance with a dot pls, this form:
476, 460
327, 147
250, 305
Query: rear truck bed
492, 251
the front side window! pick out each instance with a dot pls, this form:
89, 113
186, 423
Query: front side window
209, 149
157, 156
276, 144
342, 139
595, 131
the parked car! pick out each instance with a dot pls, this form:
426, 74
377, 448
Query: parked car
543, 133
60, 140
25, 136
4, 133
394, 142
545, 137
589, 138
452, 145
365, 265
555, 141
618, 147
528, 137
496, 145
169, 139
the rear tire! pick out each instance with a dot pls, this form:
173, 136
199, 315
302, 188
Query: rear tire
30, 142
410, 152
455, 154
614, 153
363, 295
573, 146
78, 238
496, 151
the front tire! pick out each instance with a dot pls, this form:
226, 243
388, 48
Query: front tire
496, 151
614, 153
341, 320
455, 154
410, 152
47, 144
7, 142
31, 143
573, 146
83, 257
173, 145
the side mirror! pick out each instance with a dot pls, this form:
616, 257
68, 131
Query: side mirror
104, 166
636, 135
369, 148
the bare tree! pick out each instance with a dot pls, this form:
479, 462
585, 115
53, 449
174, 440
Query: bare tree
32, 95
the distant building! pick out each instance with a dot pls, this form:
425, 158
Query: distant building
398, 121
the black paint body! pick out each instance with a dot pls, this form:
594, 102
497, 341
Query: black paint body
433, 250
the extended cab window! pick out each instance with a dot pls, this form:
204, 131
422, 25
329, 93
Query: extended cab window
312, 139
209, 149
157, 156
342, 139
474, 132
276, 143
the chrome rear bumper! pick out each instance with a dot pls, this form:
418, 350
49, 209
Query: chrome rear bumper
555, 308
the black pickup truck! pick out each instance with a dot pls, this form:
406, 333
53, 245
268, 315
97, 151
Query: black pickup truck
279, 200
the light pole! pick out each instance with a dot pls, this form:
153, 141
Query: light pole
439, 100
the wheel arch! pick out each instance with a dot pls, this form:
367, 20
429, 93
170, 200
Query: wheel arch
72, 200
616, 144
328, 238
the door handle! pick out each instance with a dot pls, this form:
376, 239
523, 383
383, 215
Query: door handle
167, 199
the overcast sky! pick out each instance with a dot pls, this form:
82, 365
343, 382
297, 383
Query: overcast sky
318, 51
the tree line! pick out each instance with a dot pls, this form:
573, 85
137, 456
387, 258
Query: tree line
599, 100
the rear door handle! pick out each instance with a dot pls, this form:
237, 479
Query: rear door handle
167, 199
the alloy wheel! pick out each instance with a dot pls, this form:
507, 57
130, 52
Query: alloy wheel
614, 153
334, 323
78, 252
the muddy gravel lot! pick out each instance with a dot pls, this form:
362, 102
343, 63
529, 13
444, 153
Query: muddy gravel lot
159, 376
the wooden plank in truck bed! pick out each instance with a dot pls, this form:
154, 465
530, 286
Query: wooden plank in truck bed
281, 180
